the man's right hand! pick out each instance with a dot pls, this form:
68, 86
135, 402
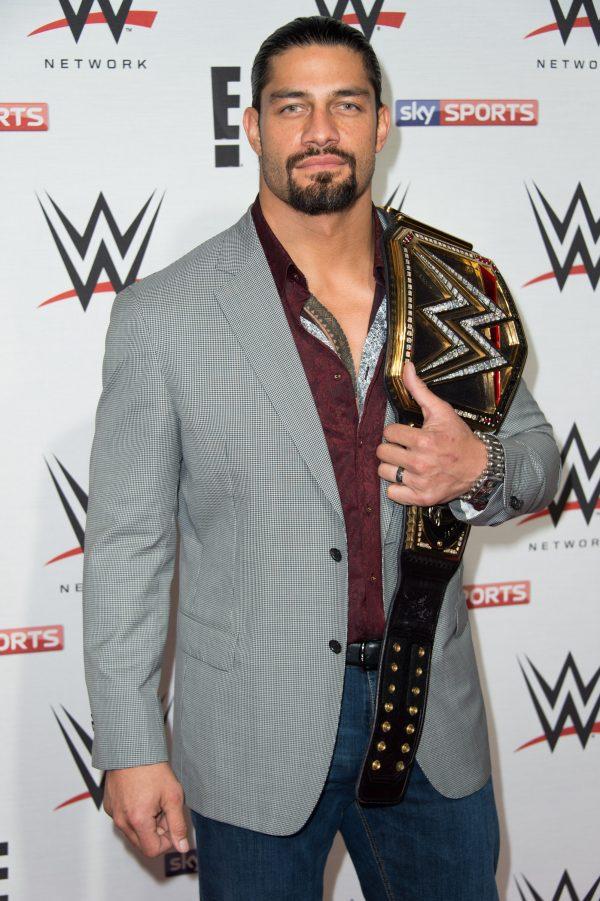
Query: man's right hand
146, 804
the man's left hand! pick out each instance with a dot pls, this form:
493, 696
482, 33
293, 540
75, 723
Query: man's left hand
441, 460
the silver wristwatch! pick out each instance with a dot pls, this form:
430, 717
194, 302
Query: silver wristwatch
492, 475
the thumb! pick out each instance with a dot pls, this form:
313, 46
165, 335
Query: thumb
173, 811
426, 399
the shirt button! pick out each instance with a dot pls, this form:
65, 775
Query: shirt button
360, 442
337, 375
335, 553
369, 508
373, 578
335, 646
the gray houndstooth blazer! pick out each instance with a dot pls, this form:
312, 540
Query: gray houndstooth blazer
206, 422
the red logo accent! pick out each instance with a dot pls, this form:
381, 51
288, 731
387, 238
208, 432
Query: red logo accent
489, 112
574, 270
568, 730
31, 640
497, 594
100, 288
23, 116
580, 22
144, 18
393, 20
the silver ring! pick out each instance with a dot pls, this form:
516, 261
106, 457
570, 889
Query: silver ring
399, 474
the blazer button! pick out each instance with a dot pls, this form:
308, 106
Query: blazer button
516, 502
335, 646
335, 553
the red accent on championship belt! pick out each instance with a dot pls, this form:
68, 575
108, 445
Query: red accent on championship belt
581, 22
394, 20
31, 640
142, 17
23, 116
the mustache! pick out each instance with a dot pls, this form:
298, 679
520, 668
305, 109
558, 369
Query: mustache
307, 154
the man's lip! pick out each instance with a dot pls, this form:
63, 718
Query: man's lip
319, 161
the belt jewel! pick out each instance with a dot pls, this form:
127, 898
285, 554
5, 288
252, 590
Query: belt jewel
449, 311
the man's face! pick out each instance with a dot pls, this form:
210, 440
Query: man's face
318, 131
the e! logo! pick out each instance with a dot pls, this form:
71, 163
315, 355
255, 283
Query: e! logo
223, 101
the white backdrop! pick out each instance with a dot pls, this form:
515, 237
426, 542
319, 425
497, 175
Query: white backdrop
143, 122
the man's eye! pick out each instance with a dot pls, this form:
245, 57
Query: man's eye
291, 106
349, 103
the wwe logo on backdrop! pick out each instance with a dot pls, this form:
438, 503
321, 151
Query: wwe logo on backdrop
565, 891
567, 239
76, 20
82, 754
566, 18
570, 698
360, 16
73, 246
74, 521
579, 477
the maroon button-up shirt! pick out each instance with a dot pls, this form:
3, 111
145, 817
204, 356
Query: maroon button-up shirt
351, 441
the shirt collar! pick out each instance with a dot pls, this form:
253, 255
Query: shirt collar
283, 268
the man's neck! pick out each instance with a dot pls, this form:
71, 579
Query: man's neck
329, 243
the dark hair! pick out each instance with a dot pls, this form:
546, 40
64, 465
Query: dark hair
307, 30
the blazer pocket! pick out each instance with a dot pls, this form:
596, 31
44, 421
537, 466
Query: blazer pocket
206, 642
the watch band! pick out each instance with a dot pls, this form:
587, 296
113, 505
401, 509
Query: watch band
492, 475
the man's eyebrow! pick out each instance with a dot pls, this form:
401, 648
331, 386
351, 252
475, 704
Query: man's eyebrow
287, 93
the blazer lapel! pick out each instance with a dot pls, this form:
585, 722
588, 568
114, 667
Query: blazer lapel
388, 507
253, 308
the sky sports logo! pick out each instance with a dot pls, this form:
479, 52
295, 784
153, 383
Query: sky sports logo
23, 116
466, 112
497, 594
31, 639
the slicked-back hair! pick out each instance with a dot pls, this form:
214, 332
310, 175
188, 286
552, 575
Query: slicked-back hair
304, 32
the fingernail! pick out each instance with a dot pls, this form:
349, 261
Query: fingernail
184, 845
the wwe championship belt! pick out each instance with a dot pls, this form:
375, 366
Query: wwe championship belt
451, 313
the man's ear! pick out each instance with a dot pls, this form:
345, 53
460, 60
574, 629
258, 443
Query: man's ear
250, 123
383, 126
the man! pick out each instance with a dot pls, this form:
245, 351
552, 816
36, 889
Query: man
243, 402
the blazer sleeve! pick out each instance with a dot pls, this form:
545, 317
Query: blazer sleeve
130, 543
532, 465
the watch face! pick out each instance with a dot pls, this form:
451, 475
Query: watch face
481, 498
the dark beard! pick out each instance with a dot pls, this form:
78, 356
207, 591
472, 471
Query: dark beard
321, 196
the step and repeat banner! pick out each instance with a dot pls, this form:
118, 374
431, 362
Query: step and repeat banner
122, 149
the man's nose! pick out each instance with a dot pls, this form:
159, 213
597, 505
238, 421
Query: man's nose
320, 129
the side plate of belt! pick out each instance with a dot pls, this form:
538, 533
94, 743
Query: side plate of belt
451, 313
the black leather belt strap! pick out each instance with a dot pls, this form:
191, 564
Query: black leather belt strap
424, 266
364, 653
403, 678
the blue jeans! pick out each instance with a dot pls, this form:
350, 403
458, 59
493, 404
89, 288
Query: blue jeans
427, 848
